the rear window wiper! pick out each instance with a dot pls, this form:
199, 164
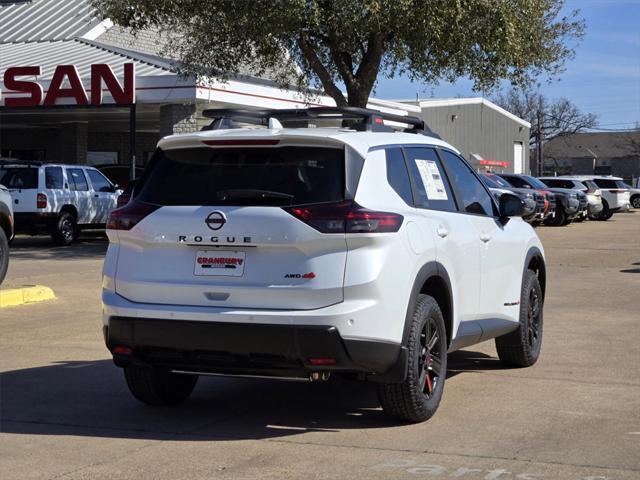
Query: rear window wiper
252, 193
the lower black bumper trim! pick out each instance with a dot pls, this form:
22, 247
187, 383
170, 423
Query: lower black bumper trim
251, 349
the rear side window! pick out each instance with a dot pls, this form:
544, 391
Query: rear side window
432, 187
19, 177
245, 176
53, 177
77, 180
518, 182
475, 198
398, 176
99, 182
558, 183
603, 183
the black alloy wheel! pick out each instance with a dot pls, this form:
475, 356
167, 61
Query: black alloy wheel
430, 358
534, 320
65, 230
521, 348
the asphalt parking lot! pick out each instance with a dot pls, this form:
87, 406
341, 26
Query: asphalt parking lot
65, 411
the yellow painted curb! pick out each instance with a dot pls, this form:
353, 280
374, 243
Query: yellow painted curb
28, 294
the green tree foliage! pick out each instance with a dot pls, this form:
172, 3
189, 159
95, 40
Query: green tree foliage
336, 44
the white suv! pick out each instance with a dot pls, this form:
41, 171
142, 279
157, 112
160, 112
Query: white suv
60, 199
301, 252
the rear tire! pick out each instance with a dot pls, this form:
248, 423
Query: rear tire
4, 255
521, 348
606, 213
416, 399
635, 201
153, 386
65, 231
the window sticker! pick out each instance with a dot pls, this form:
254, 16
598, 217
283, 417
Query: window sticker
431, 179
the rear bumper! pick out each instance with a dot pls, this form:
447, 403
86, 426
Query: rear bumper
249, 349
250, 341
30, 221
595, 208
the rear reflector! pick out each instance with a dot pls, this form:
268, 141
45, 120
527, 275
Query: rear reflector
120, 350
244, 142
322, 361
41, 200
346, 217
125, 218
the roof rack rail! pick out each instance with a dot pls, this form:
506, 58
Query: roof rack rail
15, 161
361, 119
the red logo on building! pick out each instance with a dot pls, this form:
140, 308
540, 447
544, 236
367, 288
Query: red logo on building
101, 74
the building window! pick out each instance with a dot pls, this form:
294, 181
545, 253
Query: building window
102, 158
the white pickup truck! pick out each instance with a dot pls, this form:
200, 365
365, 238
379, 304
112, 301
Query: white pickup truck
59, 199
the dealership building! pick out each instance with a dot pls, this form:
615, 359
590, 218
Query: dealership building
77, 89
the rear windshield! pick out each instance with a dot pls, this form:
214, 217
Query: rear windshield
19, 177
604, 183
245, 176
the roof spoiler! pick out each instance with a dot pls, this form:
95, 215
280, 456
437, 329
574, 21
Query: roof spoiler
360, 119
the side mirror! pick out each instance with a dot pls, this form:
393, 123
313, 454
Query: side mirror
511, 205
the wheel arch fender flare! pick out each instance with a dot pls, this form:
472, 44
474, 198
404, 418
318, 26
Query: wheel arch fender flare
432, 279
534, 260
71, 209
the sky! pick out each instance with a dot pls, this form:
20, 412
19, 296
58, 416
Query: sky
603, 78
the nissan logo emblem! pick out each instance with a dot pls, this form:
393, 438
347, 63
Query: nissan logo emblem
216, 220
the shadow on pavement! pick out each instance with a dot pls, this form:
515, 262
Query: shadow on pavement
469, 361
91, 399
631, 270
89, 245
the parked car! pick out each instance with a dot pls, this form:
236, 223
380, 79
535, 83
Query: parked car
634, 193
119, 175
534, 202
615, 196
58, 199
590, 189
567, 202
6, 230
304, 252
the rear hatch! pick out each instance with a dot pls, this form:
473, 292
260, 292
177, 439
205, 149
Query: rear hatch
22, 183
216, 227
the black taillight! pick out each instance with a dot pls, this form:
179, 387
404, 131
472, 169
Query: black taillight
125, 218
346, 217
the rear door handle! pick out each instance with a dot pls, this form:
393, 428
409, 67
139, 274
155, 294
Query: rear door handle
442, 231
485, 237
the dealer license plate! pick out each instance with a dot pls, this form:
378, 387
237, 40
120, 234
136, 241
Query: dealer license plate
225, 263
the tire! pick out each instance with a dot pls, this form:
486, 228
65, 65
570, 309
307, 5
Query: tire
635, 201
606, 213
580, 218
4, 255
558, 220
65, 231
417, 398
521, 348
153, 386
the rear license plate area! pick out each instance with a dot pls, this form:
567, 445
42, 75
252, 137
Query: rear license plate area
219, 263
